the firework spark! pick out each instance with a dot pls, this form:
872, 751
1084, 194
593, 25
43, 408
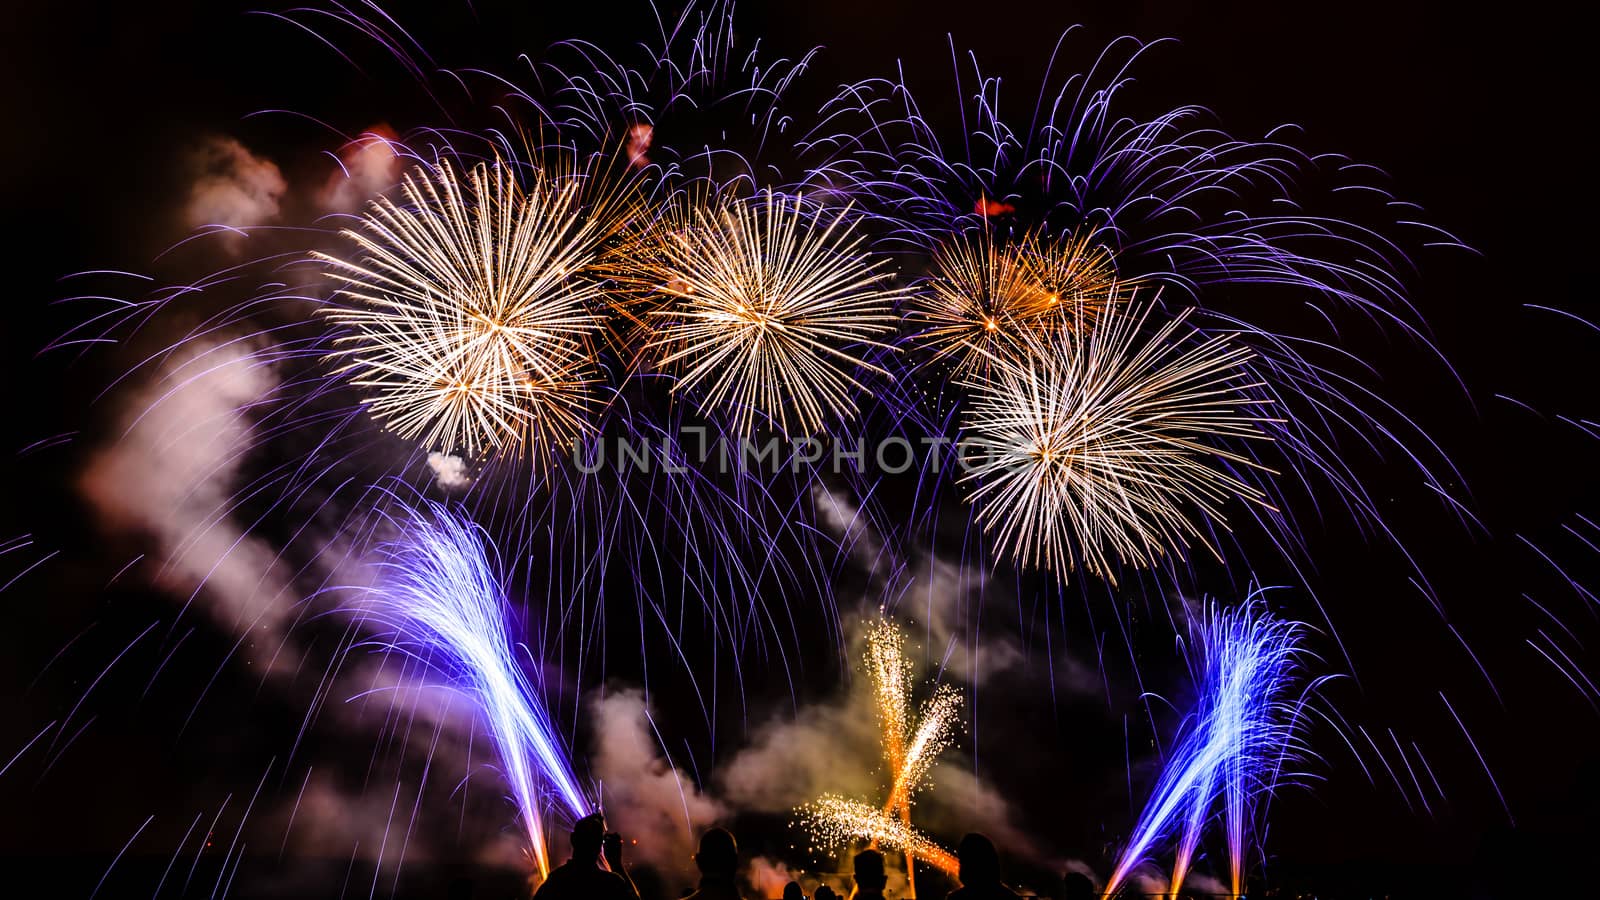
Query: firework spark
1234, 744
441, 601
890, 672
766, 306
910, 746
833, 820
1097, 447
936, 729
470, 312
986, 298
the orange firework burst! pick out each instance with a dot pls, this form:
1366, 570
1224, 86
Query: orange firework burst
986, 298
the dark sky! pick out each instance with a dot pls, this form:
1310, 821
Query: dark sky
1476, 116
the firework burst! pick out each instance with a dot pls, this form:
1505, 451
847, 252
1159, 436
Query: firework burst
1099, 447
765, 305
986, 298
470, 312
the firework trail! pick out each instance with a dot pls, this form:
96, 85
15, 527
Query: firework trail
1096, 448
1245, 726
471, 311
767, 301
698, 106
441, 601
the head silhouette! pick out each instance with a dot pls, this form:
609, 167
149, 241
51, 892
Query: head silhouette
587, 836
718, 855
1077, 887
869, 871
791, 891
980, 862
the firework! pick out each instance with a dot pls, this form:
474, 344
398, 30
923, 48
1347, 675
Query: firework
441, 599
833, 820
698, 104
1235, 742
766, 306
890, 672
1230, 224
1097, 447
936, 727
470, 313
910, 747
986, 299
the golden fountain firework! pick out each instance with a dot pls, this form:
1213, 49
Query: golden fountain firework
911, 745
834, 820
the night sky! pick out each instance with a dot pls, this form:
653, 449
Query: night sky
1476, 117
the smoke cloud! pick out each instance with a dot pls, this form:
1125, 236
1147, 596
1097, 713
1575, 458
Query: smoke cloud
168, 475
644, 797
368, 166
232, 187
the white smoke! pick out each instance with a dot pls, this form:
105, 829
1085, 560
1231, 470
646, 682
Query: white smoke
232, 187
368, 166
449, 470
644, 796
169, 476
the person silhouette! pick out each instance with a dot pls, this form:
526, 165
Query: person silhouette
1077, 886
869, 876
718, 860
581, 877
792, 891
980, 871
825, 893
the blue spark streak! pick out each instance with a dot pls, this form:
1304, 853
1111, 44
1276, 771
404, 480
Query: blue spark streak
1233, 745
443, 601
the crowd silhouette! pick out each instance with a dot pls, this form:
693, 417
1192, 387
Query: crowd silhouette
596, 871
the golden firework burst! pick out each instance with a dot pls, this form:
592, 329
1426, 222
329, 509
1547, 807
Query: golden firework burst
469, 307
768, 304
1107, 444
833, 820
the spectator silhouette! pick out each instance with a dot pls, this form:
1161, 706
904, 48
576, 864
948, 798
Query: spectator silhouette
582, 877
1077, 886
718, 860
870, 878
792, 891
825, 893
980, 871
